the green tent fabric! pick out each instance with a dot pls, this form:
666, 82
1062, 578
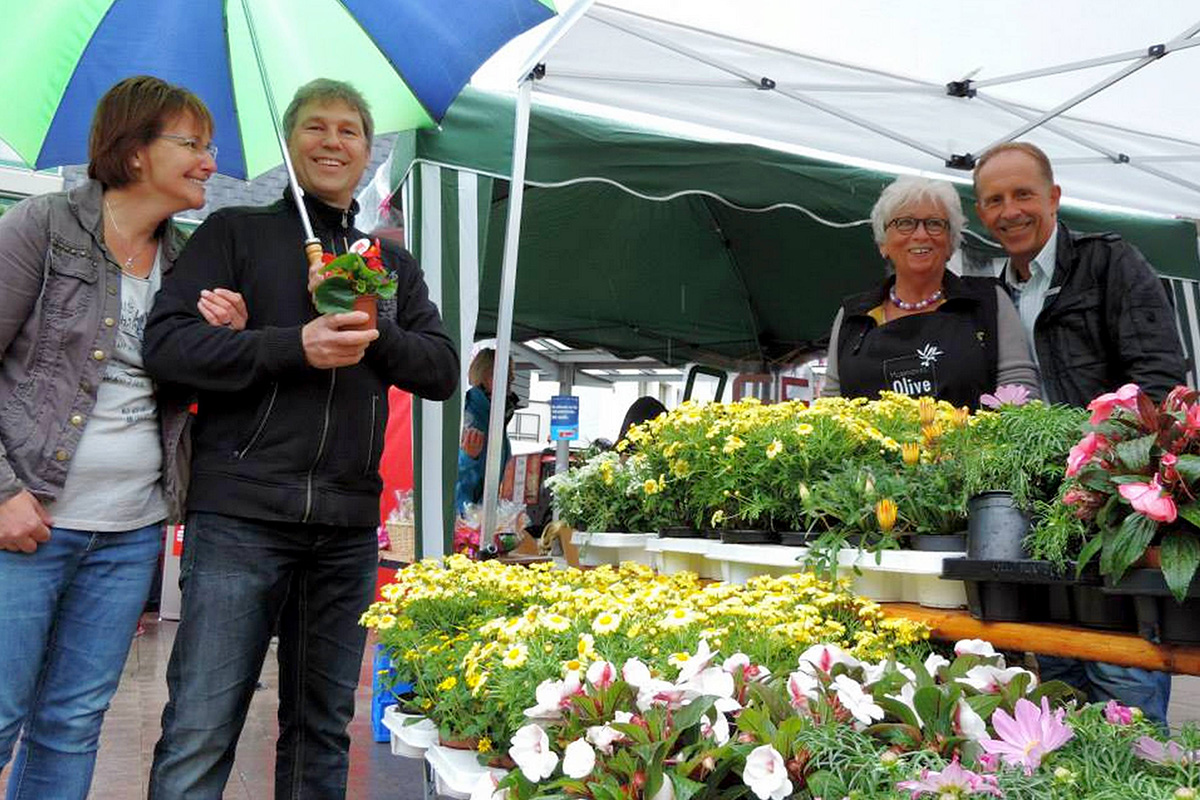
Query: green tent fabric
643, 243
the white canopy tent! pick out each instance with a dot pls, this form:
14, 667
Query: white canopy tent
1104, 87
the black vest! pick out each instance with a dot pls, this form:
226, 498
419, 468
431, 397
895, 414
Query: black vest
949, 353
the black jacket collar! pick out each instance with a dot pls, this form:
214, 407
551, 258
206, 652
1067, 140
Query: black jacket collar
322, 215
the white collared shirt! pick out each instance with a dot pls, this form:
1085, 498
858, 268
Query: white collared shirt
1030, 296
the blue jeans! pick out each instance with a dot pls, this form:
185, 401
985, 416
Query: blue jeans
242, 579
1146, 689
68, 612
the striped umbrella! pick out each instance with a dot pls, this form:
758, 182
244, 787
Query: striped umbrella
244, 58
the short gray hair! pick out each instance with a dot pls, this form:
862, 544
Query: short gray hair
324, 90
909, 189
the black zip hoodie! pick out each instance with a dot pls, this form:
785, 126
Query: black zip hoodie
274, 438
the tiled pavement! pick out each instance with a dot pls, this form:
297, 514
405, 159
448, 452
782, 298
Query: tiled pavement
131, 729
132, 725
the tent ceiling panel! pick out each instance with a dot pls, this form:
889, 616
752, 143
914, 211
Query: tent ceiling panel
629, 61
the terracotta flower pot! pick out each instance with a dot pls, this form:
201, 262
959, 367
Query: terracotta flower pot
368, 303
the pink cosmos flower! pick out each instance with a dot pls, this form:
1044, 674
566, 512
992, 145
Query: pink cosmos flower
1169, 753
1118, 714
953, 781
1029, 735
1083, 452
1009, 394
1102, 407
1150, 499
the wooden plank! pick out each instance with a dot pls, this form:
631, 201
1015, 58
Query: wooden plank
1125, 649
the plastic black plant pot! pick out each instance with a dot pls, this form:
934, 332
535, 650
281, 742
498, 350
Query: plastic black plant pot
749, 536
1014, 591
1160, 618
939, 542
712, 533
798, 538
996, 528
864, 540
678, 532
1093, 608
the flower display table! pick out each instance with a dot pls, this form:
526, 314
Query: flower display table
1124, 649
899, 575
612, 548
409, 738
456, 772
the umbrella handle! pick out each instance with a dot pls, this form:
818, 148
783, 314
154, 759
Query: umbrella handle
313, 250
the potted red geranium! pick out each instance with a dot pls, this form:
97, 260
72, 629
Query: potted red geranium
354, 281
1135, 478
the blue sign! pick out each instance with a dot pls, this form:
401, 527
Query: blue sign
564, 417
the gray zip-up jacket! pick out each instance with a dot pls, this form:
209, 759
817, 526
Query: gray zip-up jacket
59, 307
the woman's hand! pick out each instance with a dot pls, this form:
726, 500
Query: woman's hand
223, 308
472, 442
24, 523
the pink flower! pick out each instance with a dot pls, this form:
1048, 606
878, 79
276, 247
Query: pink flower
953, 781
1083, 452
1029, 735
1102, 407
1150, 499
1169, 753
1009, 394
1167, 467
1118, 714
1192, 421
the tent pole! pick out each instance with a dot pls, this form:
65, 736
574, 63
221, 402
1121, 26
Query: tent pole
508, 287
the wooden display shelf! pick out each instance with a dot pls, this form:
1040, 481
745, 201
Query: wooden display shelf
1124, 649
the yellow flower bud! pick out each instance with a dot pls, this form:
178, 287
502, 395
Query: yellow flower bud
926, 410
911, 452
885, 514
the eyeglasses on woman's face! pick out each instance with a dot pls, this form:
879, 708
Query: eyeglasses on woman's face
193, 144
934, 226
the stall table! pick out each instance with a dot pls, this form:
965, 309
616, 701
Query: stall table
1125, 649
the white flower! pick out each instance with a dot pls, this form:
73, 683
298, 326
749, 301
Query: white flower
906, 696
766, 774
824, 656
712, 682
696, 662
553, 696
601, 674
485, 788
967, 722
861, 705
531, 751
666, 791
660, 693
975, 647
719, 730
603, 737
578, 759
802, 687
934, 662
990, 680
740, 662
635, 673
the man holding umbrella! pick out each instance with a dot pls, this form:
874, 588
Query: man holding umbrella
283, 503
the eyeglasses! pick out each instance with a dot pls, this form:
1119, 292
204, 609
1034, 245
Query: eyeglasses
193, 144
934, 226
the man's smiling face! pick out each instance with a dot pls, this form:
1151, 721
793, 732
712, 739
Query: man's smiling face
329, 150
1017, 203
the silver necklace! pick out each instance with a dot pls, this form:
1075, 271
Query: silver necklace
137, 253
917, 306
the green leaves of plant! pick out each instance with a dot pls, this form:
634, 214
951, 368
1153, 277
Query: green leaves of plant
1180, 557
334, 295
1135, 453
1125, 545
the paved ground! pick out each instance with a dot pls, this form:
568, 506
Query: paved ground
132, 726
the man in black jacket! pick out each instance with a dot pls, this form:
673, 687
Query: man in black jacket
284, 497
1097, 318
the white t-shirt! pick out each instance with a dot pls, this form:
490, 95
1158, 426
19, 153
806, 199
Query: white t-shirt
114, 482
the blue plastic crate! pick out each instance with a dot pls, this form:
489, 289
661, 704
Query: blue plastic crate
382, 697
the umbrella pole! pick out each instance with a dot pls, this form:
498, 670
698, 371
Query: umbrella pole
312, 245
508, 286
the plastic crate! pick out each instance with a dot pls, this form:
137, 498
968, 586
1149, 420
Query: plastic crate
382, 697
